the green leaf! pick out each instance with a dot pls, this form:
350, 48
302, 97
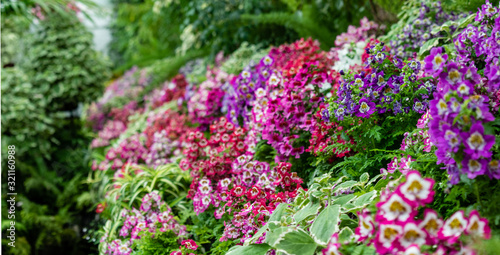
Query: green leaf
346, 235
364, 178
273, 236
466, 21
253, 249
342, 200
308, 210
345, 185
428, 45
326, 224
278, 212
297, 242
366, 198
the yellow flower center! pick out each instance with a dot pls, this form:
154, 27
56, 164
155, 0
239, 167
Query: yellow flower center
411, 235
432, 225
476, 140
454, 75
455, 223
475, 226
389, 233
438, 60
396, 206
415, 186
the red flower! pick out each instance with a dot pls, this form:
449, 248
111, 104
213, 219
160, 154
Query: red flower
253, 192
238, 191
100, 208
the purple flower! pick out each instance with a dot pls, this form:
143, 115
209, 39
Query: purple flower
365, 108
494, 169
477, 144
474, 167
453, 172
451, 138
452, 76
435, 61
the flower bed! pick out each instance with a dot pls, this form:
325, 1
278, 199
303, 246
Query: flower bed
278, 158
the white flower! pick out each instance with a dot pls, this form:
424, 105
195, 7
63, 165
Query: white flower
455, 225
412, 234
416, 187
396, 208
388, 233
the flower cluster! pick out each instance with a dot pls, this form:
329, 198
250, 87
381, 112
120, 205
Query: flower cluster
128, 86
131, 150
366, 30
171, 90
290, 108
419, 30
463, 102
112, 130
153, 215
391, 86
173, 123
204, 106
186, 247
251, 194
323, 134
290, 58
210, 159
395, 228
245, 88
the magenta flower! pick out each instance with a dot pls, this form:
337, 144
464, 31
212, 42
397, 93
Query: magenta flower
387, 237
453, 227
478, 226
396, 208
366, 226
431, 224
417, 188
190, 244
238, 191
477, 144
494, 169
412, 234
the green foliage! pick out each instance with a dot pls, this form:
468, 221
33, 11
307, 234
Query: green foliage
24, 119
327, 207
162, 243
167, 68
13, 31
143, 32
62, 63
50, 71
22, 8
240, 58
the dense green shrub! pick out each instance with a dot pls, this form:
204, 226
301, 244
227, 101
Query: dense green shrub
64, 67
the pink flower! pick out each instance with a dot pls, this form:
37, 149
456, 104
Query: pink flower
366, 226
478, 226
386, 238
238, 191
190, 244
396, 208
412, 234
453, 227
431, 224
417, 188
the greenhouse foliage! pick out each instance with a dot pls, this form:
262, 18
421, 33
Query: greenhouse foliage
256, 127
